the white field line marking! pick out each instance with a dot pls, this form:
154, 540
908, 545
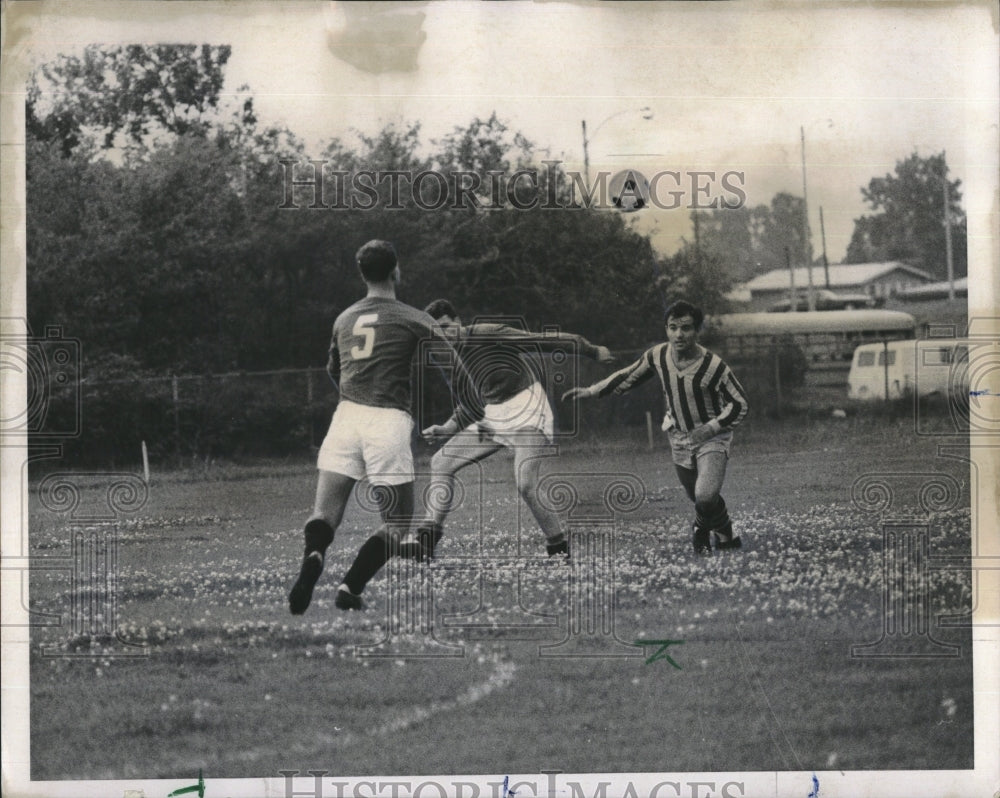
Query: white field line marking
501, 676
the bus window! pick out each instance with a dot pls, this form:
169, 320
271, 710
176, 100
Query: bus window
892, 357
866, 359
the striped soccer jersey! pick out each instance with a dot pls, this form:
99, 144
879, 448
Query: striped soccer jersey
704, 391
373, 344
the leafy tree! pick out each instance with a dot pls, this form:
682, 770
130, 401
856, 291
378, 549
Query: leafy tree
133, 90
727, 236
187, 269
483, 146
698, 274
782, 227
908, 219
744, 242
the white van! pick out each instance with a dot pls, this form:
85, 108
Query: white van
903, 368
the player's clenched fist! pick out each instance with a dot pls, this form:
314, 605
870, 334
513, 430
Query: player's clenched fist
702, 433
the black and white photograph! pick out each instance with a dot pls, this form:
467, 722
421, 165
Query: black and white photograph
476, 399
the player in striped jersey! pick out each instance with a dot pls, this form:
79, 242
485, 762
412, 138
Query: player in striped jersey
513, 410
704, 402
373, 344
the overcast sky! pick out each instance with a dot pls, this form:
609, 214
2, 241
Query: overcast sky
729, 84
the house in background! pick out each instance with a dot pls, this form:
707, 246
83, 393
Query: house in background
877, 280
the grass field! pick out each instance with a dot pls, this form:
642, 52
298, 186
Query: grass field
234, 685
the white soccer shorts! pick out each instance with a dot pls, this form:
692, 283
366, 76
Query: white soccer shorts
369, 441
528, 411
684, 454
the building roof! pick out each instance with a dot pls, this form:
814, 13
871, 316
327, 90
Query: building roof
841, 275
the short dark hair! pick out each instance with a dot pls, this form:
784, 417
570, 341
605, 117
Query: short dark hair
439, 308
683, 308
376, 260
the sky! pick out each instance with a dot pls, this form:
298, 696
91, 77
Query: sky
730, 86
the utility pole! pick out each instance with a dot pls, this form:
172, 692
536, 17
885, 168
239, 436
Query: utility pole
697, 240
811, 297
826, 263
647, 114
947, 231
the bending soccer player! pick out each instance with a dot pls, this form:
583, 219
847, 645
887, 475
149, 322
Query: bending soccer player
373, 344
514, 411
704, 403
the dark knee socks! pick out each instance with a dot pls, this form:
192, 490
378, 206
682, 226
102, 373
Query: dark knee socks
318, 535
712, 514
373, 554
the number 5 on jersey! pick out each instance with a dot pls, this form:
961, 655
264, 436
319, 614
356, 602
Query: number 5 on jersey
363, 329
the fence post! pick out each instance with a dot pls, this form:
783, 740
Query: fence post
177, 417
777, 381
885, 367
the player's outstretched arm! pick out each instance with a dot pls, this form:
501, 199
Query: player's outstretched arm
440, 432
580, 393
621, 381
550, 341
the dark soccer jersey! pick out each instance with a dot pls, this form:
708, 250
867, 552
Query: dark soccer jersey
494, 359
704, 390
373, 345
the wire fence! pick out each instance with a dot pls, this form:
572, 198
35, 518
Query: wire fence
285, 413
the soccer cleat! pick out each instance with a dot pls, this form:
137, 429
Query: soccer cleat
559, 550
302, 590
423, 548
346, 600
724, 538
702, 541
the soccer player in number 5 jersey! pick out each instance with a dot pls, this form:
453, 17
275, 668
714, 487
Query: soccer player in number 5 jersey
704, 402
373, 344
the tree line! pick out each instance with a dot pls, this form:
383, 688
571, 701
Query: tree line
155, 236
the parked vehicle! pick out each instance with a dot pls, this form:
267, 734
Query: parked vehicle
821, 336
904, 368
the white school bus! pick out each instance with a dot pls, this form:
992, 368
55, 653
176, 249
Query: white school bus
829, 335
895, 369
